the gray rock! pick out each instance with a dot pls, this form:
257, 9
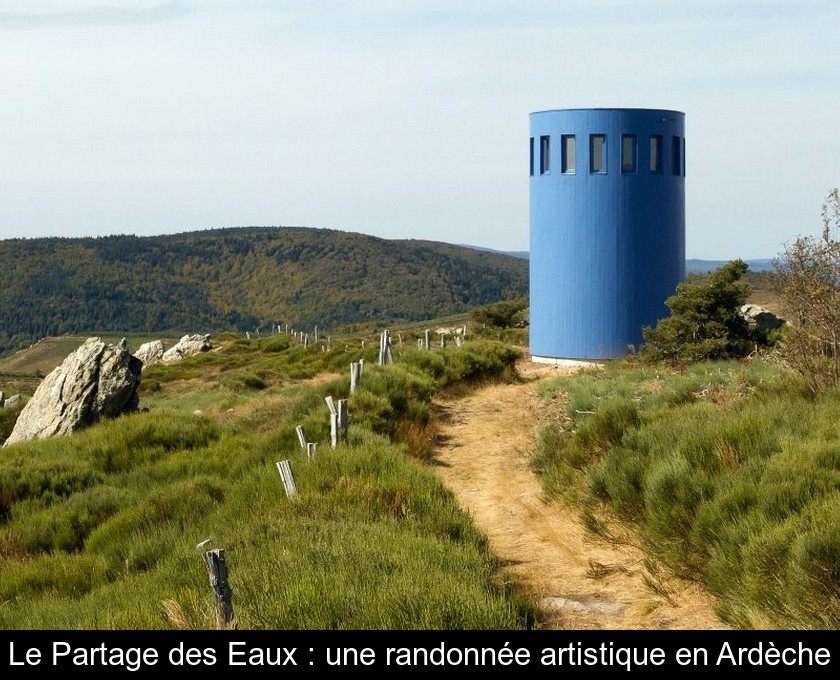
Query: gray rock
761, 318
186, 347
150, 352
96, 381
11, 402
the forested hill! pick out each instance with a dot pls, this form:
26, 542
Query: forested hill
239, 279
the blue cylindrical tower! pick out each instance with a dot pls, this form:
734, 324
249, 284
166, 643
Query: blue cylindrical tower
607, 213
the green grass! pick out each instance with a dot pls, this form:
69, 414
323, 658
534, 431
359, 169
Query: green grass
728, 471
99, 529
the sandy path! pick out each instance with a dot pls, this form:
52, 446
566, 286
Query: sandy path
578, 583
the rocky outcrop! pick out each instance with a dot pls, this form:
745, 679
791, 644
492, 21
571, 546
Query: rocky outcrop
95, 382
186, 347
9, 402
761, 318
150, 352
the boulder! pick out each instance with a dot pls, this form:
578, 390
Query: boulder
150, 352
96, 381
11, 402
186, 347
761, 318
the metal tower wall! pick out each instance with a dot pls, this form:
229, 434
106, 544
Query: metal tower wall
607, 228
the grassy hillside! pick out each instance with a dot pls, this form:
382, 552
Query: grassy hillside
239, 279
101, 529
726, 472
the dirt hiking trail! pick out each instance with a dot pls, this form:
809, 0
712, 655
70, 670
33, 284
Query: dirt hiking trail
576, 581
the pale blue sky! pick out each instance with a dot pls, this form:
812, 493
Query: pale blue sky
404, 118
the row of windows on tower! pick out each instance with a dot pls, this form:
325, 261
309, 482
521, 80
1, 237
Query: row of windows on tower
598, 154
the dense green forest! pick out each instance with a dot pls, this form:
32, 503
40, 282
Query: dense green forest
239, 279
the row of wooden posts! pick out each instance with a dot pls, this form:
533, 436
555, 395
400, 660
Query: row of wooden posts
385, 347
214, 560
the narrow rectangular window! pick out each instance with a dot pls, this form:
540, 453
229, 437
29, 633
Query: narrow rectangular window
676, 155
628, 153
598, 153
545, 158
531, 149
656, 153
567, 149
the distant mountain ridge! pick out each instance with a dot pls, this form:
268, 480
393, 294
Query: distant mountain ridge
692, 266
239, 278
704, 266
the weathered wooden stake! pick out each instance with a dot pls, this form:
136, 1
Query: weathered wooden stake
285, 470
330, 404
443, 340
316, 333
214, 560
311, 449
342, 418
385, 353
427, 345
301, 436
333, 429
355, 375
458, 341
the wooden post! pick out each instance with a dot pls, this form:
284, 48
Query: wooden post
385, 352
333, 429
443, 340
419, 343
311, 449
330, 404
361, 367
288, 478
355, 372
301, 436
248, 334
382, 348
342, 417
316, 334
427, 344
458, 340
214, 560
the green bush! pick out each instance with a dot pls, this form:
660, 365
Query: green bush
705, 321
504, 314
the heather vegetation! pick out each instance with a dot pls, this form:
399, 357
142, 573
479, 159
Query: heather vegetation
100, 529
727, 472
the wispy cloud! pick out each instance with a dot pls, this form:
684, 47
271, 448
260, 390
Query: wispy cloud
35, 15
